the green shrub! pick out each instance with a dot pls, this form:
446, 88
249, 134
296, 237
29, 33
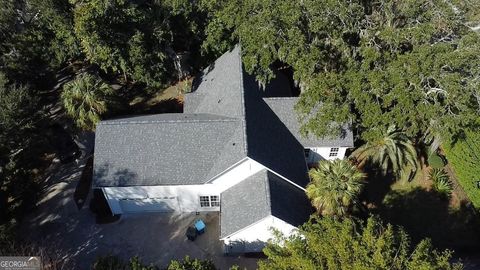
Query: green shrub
441, 182
436, 174
115, 263
187, 86
191, 264
435, 161
464, 157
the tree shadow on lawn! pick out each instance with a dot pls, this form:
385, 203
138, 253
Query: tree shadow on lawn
423, 213
376, 187
171, 105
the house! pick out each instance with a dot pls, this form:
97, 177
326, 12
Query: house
236, 150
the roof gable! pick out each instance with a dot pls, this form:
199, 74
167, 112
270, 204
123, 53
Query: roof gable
244, 204
259, 196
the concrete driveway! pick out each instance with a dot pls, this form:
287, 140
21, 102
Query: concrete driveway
156, 238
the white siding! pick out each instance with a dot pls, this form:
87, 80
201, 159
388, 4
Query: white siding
254, 238
187, 196
235, 175
321, 153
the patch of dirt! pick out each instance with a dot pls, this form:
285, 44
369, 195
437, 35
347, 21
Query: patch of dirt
173, 92
459, 197
169, 100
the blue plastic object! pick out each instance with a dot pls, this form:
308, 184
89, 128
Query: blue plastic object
200, 226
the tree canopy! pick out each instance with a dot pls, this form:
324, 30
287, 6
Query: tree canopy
139, 39
411, 64
115, 263
328, 244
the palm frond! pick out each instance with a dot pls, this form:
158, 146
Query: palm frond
334, 187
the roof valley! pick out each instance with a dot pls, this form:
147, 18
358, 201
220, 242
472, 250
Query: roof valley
242, 97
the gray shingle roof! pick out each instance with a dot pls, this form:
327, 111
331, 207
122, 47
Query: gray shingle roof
269, 142
244, 204
219, 88
258, 197
289, 203
284, 109
166, 149
226, 119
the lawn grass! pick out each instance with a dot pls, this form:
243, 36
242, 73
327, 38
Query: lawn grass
422, 212
464, 157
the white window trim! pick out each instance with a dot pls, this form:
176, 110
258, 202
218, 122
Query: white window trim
217, 201
209, 201
202, 202
334, 152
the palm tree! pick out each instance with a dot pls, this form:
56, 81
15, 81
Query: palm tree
394, 152
85, 100
334, 187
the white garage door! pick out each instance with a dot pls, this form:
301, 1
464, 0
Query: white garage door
166, 204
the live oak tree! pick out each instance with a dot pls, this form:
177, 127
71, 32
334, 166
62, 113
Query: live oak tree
329, 244
138, 39
412, 64
36, 37
113, 35
19, 115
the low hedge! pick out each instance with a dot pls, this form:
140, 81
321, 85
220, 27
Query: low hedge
435, 161
464, 157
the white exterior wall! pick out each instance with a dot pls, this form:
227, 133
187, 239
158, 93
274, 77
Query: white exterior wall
321, 153
187, 195
235, 175
254, 238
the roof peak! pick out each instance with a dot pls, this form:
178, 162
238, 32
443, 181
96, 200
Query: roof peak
279, 98
170, 118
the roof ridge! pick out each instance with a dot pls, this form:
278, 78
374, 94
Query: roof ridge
279, 98
122, 122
